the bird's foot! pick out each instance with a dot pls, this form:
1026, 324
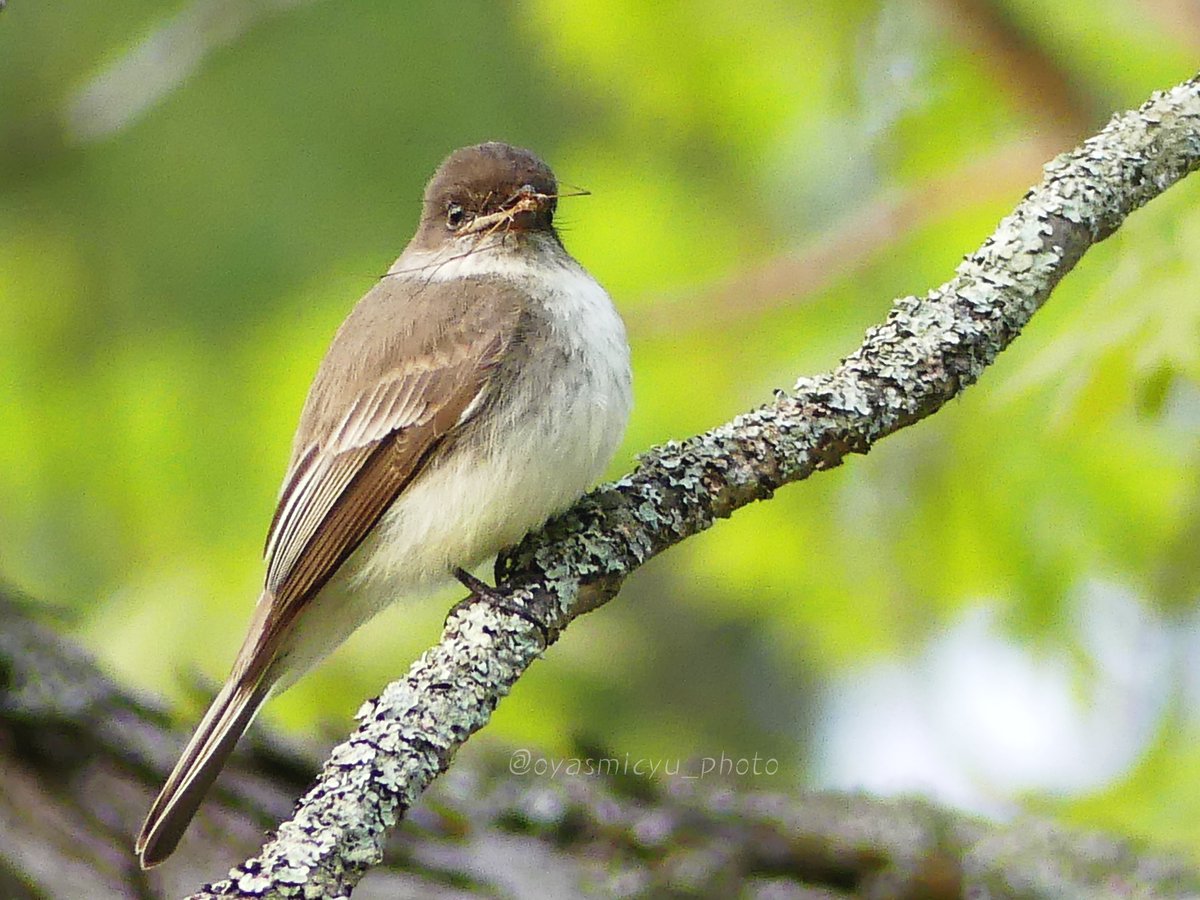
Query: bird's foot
483, 591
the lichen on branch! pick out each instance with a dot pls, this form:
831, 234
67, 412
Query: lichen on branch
927, 350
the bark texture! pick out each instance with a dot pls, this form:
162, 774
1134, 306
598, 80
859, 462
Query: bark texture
81, 759
928, 350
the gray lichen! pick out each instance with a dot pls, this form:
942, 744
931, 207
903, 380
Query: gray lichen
927, 350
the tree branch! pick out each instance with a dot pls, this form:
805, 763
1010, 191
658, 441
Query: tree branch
846, 247
924, 354
1035, 80
82, 757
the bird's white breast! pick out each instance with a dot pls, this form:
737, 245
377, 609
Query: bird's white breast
547, 440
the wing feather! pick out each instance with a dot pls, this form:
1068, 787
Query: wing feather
414, 375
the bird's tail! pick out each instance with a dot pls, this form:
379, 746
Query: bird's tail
205, 754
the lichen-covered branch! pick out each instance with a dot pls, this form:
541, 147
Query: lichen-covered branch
82, 757
924, 354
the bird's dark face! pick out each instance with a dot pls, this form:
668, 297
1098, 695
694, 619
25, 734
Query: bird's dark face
490, 188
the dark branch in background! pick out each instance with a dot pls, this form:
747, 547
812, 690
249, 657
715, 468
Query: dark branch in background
924, 354
1034, 78
81, 759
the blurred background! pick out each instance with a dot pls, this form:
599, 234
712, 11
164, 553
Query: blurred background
996, 608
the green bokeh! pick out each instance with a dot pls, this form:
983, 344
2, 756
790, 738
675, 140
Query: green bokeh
167, 289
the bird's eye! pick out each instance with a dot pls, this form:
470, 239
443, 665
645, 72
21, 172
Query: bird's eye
455, 216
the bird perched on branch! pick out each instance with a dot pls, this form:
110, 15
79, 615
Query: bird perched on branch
477, 389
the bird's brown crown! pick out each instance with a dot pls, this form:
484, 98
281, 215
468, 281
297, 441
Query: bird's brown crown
488, 180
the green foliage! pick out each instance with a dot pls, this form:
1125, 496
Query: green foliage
167, 287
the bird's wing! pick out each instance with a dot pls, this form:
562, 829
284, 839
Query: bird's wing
399, 379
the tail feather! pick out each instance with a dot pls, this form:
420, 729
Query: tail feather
205, 754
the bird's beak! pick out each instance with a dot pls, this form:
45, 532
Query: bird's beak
527, 208
519, 213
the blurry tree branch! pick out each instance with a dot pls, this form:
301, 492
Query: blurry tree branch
928, 349
81, 758
1180, 18
134, 82
846, 247
1032, 76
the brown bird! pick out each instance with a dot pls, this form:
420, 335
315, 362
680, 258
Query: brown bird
477, 389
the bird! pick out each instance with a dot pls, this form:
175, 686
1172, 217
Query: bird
478, 388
